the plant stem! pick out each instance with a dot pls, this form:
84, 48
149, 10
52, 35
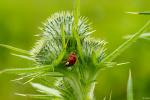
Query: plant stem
139, 13
125, 45
75, 28
76, 11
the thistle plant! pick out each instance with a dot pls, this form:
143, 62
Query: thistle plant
67, 59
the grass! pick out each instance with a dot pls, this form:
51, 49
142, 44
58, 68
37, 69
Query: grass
130, 87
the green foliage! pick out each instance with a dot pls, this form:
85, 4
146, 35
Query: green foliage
63, 33
130, 87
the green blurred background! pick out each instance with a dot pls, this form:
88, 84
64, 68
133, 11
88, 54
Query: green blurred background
19, 22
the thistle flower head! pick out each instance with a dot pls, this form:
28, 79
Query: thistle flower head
59, 44
49, 47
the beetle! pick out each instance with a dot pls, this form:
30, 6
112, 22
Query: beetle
71, 60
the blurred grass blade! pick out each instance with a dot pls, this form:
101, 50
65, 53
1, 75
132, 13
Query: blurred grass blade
15, 49
27, 70
104, 98
142, 36
129, 87
125, 45
35, 96
47, 90
110, 95
23, 56
140, 13
120, 64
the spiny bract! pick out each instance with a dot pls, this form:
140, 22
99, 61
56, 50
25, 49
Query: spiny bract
48, 48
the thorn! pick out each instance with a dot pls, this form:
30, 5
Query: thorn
132, 12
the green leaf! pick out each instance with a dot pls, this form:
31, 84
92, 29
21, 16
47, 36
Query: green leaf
24, 57
76, 86
129, 87
35, 96
15, 49
28, 70
31, 75
47, 90
91, 92
53, 74
140, 13
59, 58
